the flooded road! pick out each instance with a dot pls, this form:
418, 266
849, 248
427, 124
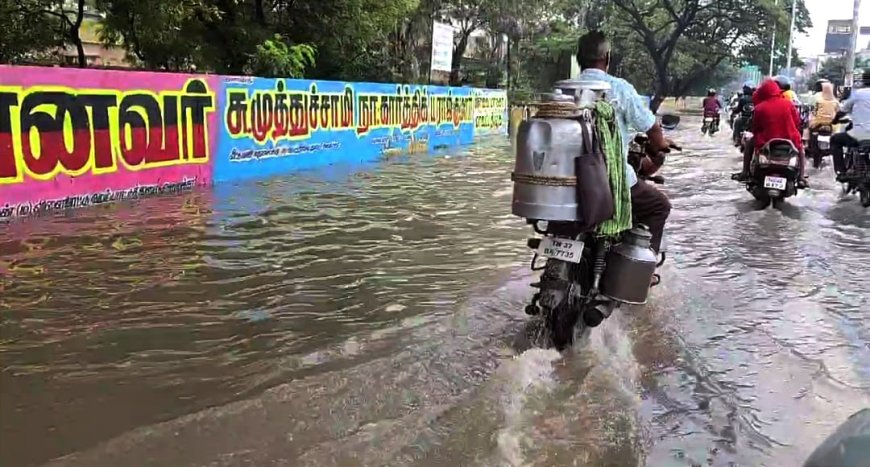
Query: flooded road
373, 316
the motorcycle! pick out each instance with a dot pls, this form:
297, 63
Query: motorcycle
710, 126
819, 145
585, 275
774, 173
746, 134
857, 166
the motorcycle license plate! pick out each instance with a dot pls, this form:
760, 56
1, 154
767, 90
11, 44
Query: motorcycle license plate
777, 183
824, 139
560, 248
708, 119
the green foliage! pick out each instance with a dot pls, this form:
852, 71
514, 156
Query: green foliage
20, 40
687, 40
275, 58
834, 69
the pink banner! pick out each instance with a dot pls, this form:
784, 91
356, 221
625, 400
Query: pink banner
72, 138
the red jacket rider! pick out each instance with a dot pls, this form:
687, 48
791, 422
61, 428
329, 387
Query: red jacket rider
774, 117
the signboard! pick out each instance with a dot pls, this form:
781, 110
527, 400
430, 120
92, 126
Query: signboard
442, 47
278, 125
72, 138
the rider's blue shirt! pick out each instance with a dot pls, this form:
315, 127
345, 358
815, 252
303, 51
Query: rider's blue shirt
858, 105
631, 109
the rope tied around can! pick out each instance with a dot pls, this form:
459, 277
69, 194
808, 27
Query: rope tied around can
557, 110
543, 180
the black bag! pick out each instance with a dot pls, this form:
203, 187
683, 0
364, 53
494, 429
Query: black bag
594, 195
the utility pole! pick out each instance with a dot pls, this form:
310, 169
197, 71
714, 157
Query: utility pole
853, 44
790, 36
773, 42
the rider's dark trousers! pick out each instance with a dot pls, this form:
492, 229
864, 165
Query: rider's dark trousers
650, 207
838, 142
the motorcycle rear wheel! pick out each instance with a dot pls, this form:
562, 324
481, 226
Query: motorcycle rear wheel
865, 196
560, 323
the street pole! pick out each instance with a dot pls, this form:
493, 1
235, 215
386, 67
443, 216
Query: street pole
853, 43
773, 42
790, 36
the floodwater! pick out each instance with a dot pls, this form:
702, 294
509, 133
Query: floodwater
374, 316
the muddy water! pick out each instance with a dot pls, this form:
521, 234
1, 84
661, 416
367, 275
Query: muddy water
373, 316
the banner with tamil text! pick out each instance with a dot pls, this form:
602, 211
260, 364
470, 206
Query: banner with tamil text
72, 138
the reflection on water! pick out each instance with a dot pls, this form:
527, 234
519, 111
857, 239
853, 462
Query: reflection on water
371, 315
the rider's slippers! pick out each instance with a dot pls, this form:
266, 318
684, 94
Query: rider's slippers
656, 280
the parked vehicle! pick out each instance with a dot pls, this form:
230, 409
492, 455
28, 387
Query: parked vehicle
557, 186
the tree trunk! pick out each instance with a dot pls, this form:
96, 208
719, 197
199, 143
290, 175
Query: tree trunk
259, 12
75, 36
656, 102
458, 52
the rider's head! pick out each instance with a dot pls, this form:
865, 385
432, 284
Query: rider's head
711, 92
783, 82
593, 51
748, 87
817, 86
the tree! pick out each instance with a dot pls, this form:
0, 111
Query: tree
275, 58
27, 34
687, 39
32, 28
834, 69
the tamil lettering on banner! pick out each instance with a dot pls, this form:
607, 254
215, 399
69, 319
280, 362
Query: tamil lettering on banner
490, 111
47, 206
50, 130
281, 114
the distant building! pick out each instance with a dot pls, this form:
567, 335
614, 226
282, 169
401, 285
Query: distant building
839, 34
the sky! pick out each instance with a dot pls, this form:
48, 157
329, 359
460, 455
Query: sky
820, 12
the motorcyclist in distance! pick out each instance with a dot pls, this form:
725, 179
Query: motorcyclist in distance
784, 83
775, 117
744, 104
824, 106
712, 106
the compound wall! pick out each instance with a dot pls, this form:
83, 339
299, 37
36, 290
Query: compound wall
72, 138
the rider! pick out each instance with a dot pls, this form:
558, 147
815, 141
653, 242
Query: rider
775, 117
858, 105
649, 205
744, 106
712, 107
824, 106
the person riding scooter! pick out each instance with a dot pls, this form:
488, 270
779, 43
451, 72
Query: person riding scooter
743, 110
712, 106
858, 105
774, 118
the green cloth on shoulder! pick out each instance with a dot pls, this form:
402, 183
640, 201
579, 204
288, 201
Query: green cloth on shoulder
611, 145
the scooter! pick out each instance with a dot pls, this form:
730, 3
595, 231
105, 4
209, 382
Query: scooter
710, 126
775, 171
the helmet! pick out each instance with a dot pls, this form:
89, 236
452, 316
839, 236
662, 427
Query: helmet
783, 81
711, 92
748, 87
817, 86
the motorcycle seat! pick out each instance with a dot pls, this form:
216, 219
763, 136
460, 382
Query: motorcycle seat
824, 130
